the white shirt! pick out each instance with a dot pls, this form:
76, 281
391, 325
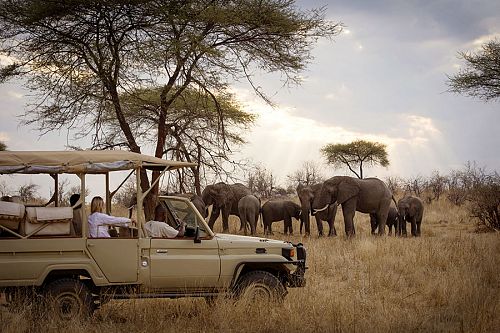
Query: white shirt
160, 229
98, 220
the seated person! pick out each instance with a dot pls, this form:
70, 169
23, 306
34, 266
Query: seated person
160, 228
76, 224
98, 218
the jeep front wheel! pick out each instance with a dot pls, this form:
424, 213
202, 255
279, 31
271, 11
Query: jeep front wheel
68, 299
261, 286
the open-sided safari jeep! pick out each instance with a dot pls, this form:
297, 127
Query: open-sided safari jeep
43, 258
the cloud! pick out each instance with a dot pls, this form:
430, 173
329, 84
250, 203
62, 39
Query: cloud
281, 140
4, 137
421, 130
340, 93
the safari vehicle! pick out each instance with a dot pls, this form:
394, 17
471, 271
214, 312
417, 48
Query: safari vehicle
43, 258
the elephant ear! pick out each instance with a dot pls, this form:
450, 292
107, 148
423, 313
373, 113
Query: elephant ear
412, 209
346, 190
206, 195
221, 193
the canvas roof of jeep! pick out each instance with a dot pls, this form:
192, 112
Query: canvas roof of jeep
84, 161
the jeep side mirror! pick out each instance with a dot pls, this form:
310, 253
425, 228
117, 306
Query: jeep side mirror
197, 235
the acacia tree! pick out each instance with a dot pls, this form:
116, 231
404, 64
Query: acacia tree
308, 174
193, 132
79, 56
3, 146
481, 76
356, 154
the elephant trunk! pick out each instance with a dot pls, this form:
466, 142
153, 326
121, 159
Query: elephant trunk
305, 219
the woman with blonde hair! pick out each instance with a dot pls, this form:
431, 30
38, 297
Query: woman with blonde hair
98, 219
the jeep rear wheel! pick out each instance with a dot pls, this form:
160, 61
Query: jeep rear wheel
69, 299
261, 286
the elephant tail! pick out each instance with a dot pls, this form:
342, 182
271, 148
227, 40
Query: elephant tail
261, 217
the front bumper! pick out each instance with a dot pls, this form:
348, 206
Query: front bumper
297, 279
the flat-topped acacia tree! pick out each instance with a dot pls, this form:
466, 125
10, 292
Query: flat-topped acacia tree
355, 155
78, 56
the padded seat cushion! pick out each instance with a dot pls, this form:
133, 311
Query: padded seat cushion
11, 214
11, 209
49, 214
57, 218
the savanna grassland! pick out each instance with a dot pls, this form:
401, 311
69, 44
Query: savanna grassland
448, 280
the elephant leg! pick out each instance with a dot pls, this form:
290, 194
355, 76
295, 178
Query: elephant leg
213, 217
319, 224
418, 228
286, 224
225, 220
332, 212
403, 228
348, 210
413, 227
252, 222
390, 230
381, 220
373, 222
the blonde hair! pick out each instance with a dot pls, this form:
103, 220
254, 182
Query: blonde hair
97, 205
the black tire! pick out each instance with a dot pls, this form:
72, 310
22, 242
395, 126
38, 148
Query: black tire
68, 299
261, 286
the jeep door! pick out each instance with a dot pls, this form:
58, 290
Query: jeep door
181, 264
116, 257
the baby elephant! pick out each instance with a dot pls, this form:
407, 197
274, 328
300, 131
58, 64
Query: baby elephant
280, 210
392, 220
411, 209
248, 209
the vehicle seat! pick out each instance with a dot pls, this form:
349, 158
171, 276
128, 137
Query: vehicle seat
11, 214
45, 221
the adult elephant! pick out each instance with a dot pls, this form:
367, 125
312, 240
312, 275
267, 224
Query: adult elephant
369, 196
306, 196
224, 198
249, 209
392, 221
411, 209
280, 210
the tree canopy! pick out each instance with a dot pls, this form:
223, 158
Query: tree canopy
81, 57
3, 146
481, 75
355, 155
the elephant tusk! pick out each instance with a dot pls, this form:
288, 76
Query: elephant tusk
320, 210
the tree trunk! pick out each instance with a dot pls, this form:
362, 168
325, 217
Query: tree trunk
149, 200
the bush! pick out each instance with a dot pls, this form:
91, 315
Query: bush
484, 201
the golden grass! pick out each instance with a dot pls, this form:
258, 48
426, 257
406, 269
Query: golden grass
448, 280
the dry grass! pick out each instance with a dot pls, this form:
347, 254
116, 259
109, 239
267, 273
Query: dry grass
446, 281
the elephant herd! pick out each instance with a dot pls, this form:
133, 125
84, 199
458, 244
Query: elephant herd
370, 196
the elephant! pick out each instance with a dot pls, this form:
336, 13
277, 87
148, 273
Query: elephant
411, 209
225, 198
200, 205
392, 220
249, 209
280, 210
306, 196
369, 196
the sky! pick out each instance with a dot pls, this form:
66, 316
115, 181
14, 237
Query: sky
382, 79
